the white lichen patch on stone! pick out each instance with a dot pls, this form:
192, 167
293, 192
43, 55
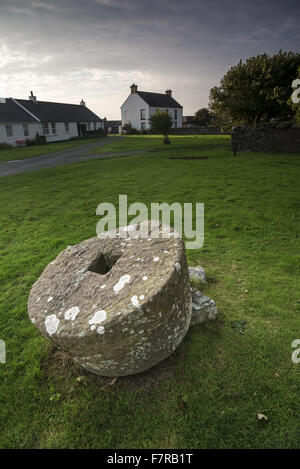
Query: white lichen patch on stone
122, 281
177, 266
100, 330
71, 313
98, 317
33, 320
38, 299
81, 334
145, 277
93, 327
50, 299
134, 300
102, 286
51, 324
142, 297
156, 259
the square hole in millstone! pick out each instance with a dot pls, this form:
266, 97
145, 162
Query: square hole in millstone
103, 263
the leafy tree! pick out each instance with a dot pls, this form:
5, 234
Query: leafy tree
256, 90
161, 122
203, 116
129, 130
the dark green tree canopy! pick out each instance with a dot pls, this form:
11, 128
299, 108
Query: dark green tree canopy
255, 90
161, 122
203, 116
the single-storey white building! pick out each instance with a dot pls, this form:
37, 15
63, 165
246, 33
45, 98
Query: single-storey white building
140, 105
22, 119
112, 127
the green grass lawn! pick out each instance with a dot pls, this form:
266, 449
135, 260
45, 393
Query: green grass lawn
185, 144
208, 393
20, 153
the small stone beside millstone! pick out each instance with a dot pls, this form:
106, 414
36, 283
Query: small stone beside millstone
203, 307
198, 273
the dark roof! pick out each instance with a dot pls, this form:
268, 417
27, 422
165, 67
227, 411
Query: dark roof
188, 118
11, 112
59, 112
112, 123
158, 99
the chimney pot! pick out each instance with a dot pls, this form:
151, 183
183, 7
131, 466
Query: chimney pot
169, 92
133, 88
82, 103
32, 97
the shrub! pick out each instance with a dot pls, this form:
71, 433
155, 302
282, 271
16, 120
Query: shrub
5, 146
129, 130
38, 140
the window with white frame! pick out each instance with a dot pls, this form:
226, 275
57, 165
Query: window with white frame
143, 116
25, 130
53, 127
88, 126
175, 113
67, 127
9, 130
46, 128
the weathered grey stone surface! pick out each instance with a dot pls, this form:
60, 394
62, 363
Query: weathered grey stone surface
116, 306
203, 308
267, 137
198, 273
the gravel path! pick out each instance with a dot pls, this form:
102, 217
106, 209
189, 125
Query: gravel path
60, 158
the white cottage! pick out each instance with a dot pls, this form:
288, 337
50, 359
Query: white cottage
140, 105
21, 119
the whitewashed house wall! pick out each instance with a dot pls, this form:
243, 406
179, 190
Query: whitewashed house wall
18, 132
132, 106
59, 132
130, 111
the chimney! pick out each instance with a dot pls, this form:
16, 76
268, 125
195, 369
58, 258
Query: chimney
82, 103
133, 88
169, 92
32, 98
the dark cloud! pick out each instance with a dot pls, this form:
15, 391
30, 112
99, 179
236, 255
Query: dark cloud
69, 48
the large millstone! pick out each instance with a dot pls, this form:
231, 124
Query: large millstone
116, 306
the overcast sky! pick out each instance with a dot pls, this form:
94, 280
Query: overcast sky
66, 50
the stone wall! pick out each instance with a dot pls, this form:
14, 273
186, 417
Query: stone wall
267, 138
